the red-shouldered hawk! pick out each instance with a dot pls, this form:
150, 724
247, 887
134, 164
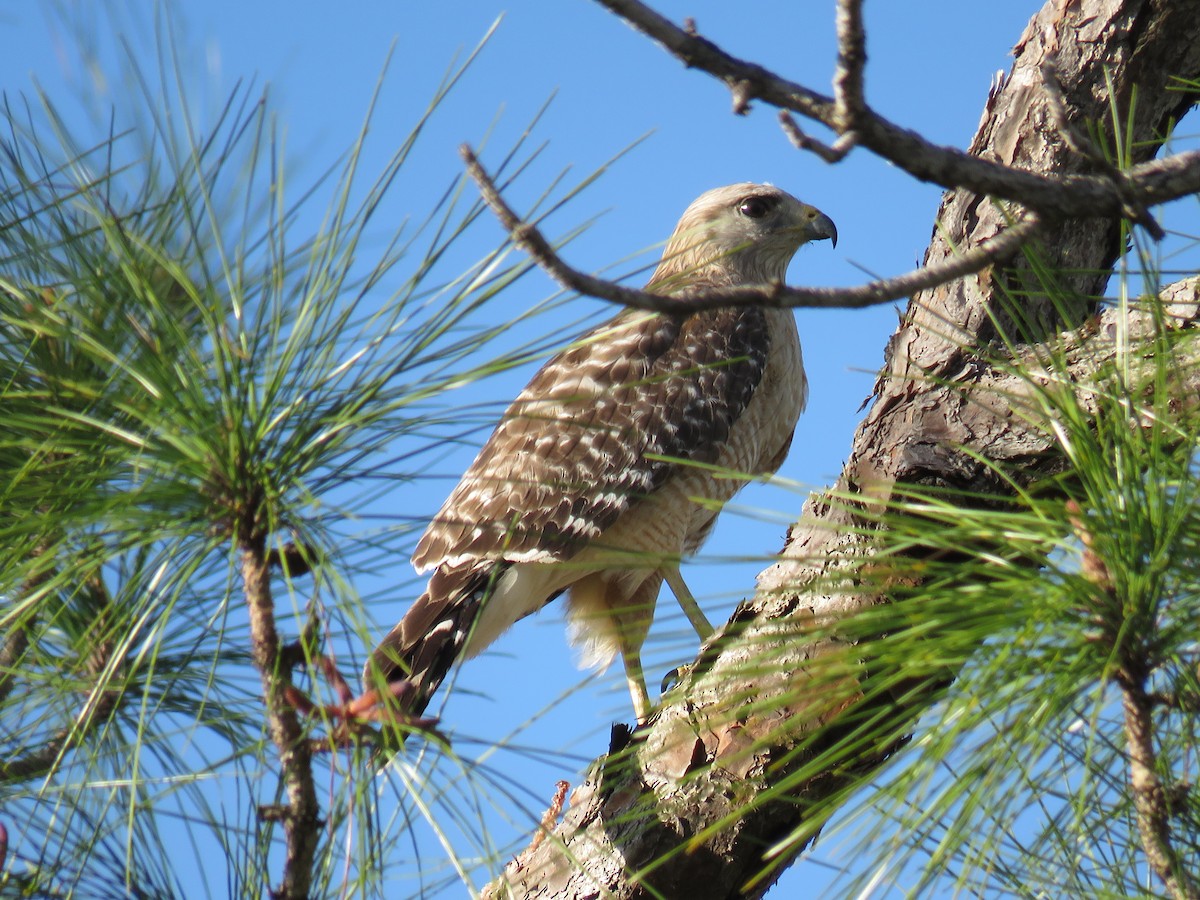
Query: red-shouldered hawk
602, 474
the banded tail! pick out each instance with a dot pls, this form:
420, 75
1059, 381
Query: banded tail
424, 645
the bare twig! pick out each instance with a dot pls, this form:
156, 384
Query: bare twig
849, 102
1135, 210
1057, 102
529, 239
801, 140
1058, 196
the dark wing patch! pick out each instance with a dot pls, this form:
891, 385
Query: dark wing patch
571, 453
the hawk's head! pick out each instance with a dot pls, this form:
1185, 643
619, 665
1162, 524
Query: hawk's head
739, 234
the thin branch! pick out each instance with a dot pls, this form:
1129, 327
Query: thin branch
47, 755
1058, 196
849, 103
301, 814
1176, 701
1150, 797
38, 762
99, 701
13, 648
801, 140
532, 241
1135, 210
1057, 102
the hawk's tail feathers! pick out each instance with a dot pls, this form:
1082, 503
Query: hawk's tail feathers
424, 645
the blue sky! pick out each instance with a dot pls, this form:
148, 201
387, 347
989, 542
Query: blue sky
930, 67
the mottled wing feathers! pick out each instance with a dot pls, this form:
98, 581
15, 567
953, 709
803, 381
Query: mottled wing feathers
573, 451
606, 424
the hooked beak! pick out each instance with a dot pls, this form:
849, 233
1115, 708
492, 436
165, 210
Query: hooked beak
820, 228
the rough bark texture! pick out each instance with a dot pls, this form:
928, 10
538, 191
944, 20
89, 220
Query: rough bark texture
688, 808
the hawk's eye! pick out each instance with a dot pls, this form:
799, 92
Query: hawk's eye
755, 207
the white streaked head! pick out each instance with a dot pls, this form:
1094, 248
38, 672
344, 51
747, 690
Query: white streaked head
739, 234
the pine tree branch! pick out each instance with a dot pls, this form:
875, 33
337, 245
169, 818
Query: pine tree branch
11, 651
1150, 795
1179, 702
301, 813
1133, 655
98, 703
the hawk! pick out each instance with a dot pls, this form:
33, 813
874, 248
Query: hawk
604, 472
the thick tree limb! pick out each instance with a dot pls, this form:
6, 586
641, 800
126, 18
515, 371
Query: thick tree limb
690, 807
706, 758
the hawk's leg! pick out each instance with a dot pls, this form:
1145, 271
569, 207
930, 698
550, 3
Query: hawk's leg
636, 680
610, 613
687, 602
